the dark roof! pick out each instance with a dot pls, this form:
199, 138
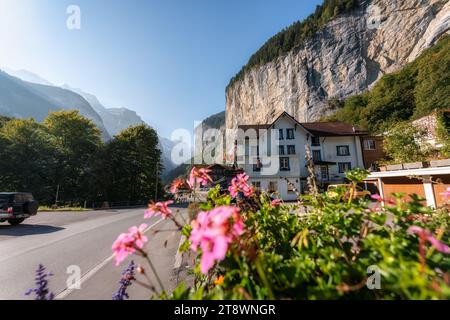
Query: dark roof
325, 129
254, 126
322, 129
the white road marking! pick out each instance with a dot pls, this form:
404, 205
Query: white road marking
179, 255
63, 294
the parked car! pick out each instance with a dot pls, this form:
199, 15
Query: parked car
15, 207
360, 192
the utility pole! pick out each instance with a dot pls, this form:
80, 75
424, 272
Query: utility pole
156, 181
57, 195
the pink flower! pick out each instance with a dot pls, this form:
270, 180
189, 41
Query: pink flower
240, 184
177, 184
275, 203
127, 243
446, 194
213, 232
426, 235
376, 197
159, 208
199, 177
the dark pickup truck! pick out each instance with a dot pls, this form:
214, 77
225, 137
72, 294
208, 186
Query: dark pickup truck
15, 207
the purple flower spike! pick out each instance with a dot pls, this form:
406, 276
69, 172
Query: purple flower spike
41, 291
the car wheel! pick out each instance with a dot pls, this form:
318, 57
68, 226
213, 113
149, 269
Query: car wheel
15, 222
31, 208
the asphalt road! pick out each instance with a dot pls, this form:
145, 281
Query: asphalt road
83, 239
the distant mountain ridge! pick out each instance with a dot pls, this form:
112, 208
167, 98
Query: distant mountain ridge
114, 119
23, 99
24, 94
27, 76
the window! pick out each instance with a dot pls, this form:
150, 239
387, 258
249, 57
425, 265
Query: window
291, 149
257, 165
315, 141
290, 134
273, 187
344, 167
291, 187
284, 164
256, 185
281, 150
317, 156
369, 145
324, 173
280, 134
343, 151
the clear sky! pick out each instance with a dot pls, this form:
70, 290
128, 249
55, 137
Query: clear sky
168, 60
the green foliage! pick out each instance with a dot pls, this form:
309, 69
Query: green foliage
28, 161
357, 175
443, 133
3, 120
293, 36
406, 143
417, 90
326, 253
77, 141
433, 79
131, 165
66, 150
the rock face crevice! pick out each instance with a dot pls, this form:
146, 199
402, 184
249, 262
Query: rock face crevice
345, 58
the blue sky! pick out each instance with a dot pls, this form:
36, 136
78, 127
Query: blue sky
168, 60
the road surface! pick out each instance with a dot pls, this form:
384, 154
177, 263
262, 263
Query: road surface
83, 239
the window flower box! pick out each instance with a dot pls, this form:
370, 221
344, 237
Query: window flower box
413, 165
394, 167
440, 163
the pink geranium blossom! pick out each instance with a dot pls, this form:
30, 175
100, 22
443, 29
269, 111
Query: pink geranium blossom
446, 194
199, 177
275, 203
213, 232
177, 184
159, 208
127, 243
240, 184
376, 197
426, 235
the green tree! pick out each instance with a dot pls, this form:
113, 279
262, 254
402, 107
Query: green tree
3, 120
406, 143
433, 79
78, 141
351, 111
391, 100
27, 158
133, 163
443, 133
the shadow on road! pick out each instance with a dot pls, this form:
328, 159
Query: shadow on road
27, 229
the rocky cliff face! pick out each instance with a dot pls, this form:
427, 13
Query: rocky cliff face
345, 58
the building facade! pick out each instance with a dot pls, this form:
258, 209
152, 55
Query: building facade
373, 151
274, 155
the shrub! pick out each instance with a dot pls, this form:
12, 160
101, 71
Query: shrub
331, 252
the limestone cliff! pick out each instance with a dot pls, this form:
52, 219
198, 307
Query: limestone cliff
344, 58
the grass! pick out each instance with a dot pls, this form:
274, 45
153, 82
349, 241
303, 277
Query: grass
65, 209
